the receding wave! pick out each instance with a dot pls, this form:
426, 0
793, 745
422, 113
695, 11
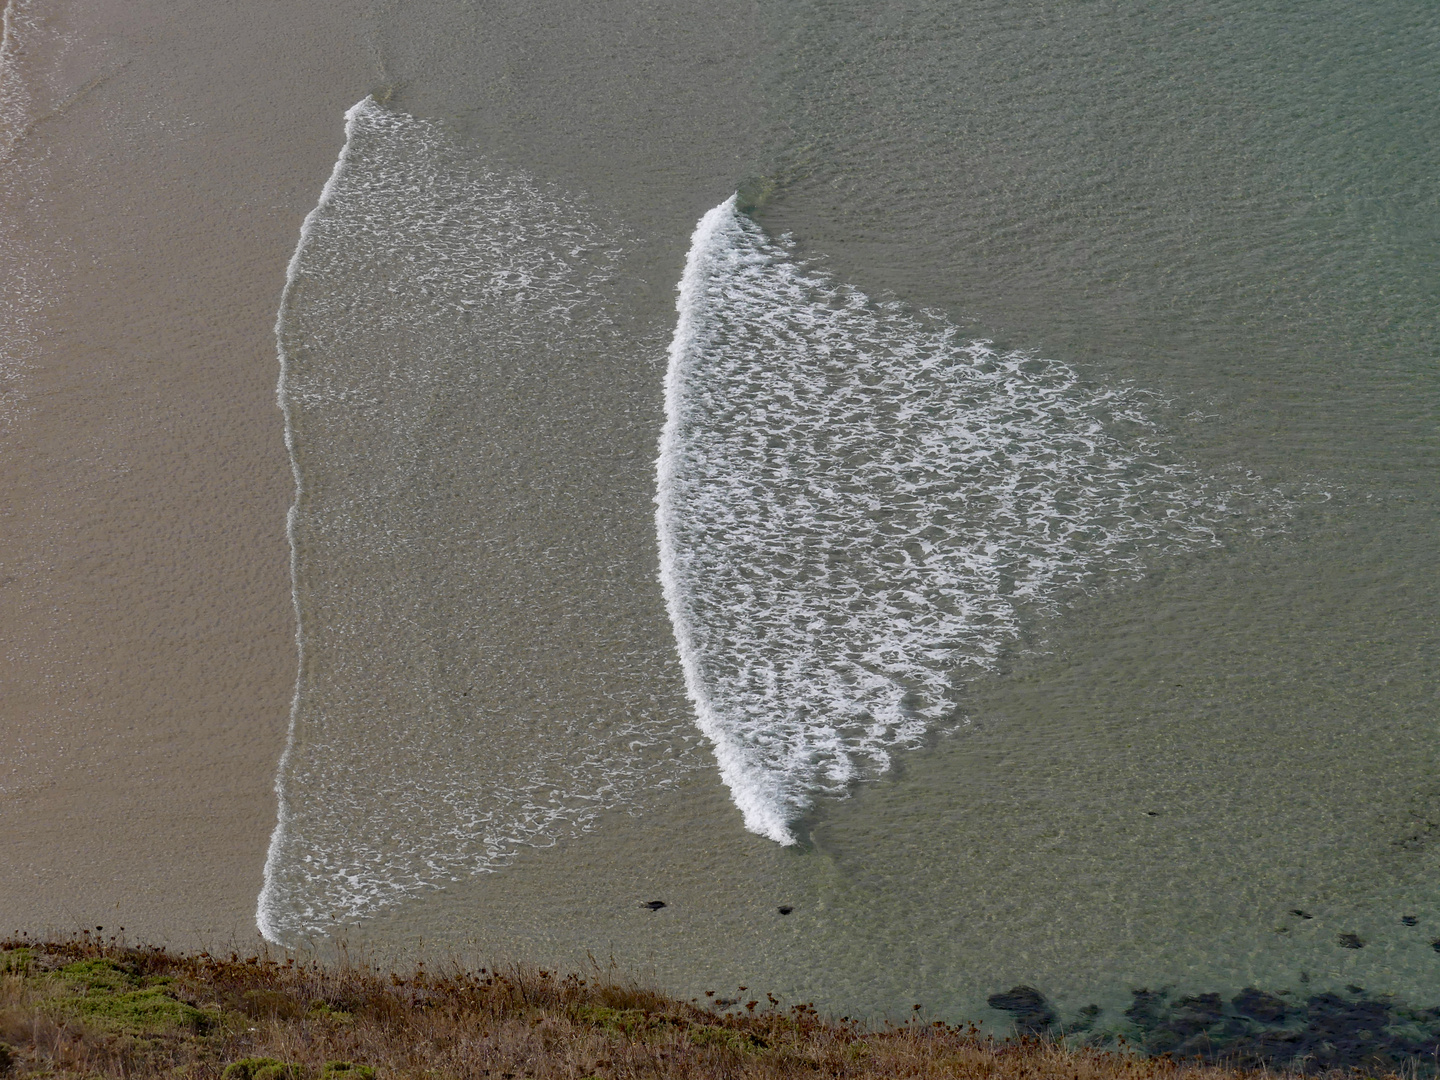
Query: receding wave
23, 281
436, 314
857, 506
14, 94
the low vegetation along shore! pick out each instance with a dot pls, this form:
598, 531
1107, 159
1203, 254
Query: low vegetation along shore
92, 1007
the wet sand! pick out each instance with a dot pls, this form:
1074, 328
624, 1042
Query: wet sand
148, 658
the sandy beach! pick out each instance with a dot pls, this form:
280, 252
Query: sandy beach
149, 657
1141, 574
150, 652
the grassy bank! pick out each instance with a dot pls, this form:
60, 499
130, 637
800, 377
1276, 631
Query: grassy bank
95, 1008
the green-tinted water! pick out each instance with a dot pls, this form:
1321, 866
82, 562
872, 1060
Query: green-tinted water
1234, 207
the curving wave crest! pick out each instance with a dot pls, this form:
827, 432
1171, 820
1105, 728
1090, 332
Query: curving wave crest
857, 504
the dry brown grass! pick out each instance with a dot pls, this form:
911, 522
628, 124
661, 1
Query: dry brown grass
97, 1009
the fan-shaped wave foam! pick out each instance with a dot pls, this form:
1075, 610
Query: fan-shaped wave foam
856, 504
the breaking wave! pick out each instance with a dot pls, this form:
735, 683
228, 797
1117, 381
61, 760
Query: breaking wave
857, 505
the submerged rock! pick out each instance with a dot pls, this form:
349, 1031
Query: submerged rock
1028, 1007
1258, 1005
1147, 1008
1193, 1014
1258, 1029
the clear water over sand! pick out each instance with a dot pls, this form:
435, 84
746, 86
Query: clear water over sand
1227, 211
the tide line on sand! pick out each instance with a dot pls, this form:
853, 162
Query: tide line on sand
265, 906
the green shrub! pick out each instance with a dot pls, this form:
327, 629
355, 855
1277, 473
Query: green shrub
138, 1012
620, 1021
261, 1069
15, 960
346, 1070
321, 1010
101, 974
728, 1038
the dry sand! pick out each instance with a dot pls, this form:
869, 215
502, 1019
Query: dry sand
145, 612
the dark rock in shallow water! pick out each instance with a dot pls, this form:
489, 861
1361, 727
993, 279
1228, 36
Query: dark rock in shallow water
1147, 1008
1161, 1041
1350, 941
1027, 1007
1192, 1026
1409, 920
1258, 1005
1262, 1030
1347, 1034
1084, 1020
1018, 999
1264, 1049
1192, 1015
654, 905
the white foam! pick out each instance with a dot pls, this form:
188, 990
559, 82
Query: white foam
267, 906
14, 94
22, 281
438, 316
856, 506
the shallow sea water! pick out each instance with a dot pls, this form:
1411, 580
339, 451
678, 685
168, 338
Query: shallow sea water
1218, 221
